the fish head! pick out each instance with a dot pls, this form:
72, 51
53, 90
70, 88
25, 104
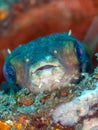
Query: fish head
47, 63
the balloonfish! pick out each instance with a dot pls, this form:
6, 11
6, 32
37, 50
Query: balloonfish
47, 63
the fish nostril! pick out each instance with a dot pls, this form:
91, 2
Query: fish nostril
9, 72
45, 67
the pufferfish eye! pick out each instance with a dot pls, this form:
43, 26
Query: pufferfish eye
80, 52
82, 56
9, 72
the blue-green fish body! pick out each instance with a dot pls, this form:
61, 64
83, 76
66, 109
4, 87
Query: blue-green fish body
46, 63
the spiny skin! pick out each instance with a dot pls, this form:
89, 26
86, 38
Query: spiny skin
46, 63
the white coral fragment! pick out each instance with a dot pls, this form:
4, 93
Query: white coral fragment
90, 124
69, 113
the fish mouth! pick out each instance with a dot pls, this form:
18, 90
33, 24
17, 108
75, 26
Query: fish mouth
44, 67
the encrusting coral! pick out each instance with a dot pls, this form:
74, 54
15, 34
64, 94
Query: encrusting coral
51, 109
66, 114
90, 124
